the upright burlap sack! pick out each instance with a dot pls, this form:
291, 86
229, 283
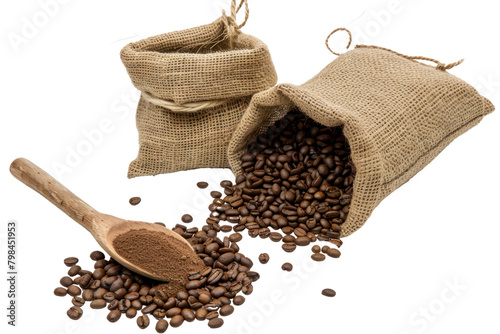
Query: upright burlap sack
397, 115
195, 85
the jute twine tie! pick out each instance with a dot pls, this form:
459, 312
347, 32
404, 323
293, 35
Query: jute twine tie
232, 30
439, 65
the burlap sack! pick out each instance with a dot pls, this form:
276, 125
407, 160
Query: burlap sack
195, 86
397, 114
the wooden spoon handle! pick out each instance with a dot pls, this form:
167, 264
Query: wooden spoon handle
38, 180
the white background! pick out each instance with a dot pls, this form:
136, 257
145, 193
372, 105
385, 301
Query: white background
441, 229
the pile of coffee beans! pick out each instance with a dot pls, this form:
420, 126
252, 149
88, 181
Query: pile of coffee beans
208, 294
297, 178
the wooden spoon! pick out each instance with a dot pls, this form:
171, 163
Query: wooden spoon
104, 228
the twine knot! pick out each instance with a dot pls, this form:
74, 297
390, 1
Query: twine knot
232, 27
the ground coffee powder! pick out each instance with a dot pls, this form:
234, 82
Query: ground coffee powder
158, 253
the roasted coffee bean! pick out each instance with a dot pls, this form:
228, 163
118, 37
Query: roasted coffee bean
73, 290
328, 292
161, 326
134, 200
114, 316
275, 236
316, 249
318, 257
187, 218
235, 237
131, 313
143, 321
216, 194
60, 292
212, 315
74, 270
201, 314
226, 228
75, 313
66, 281
264, 258
336, 242
78, 301
70, 261
202, 185
188, 315
238, 300
302, 241
176, 320
149, 309
288, 247
97, 255
215, 323
332, 252
98, 304
88, 295
287, 266
226, 310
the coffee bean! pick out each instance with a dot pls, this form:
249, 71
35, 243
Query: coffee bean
131, 313
134, 201
275, 236
316, 249
98, 304
143, 321
188, 315
176, 320
78, 301
218, 291
288, 247
97, 255
215, 323
201, 314
215, 194
336, 242
66, 281
70, 261
202, 185
318, 257
187, 218
235, 237
226, 310
74, 313
73, 290
226, 228
60, 292
287, 266
332, 252
88, 295
238, 300
226, 258
328, 292
161, 326
264, 258
302, 241
226, 183
114, 316
212, 315
74, 270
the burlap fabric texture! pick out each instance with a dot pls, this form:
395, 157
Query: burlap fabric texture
195, 85
397, 115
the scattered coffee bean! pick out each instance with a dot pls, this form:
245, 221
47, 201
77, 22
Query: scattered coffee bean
66, 281
332, 252
74, 270
98, 304
70, 261
316, 249
287, 266
75, 313
176, 320
264, 258
73, 290
318, 257
187, 218
328, 292
97, 255
226, 310
226, 183
60, 292
78, 301
216, 323
114, 316
161, 326
216, 194
202, 185
134, 200
143, 321
238, 300
288, 247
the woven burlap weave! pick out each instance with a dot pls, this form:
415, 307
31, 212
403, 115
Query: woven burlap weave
193, 67
397, 114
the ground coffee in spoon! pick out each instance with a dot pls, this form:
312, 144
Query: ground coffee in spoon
159, 254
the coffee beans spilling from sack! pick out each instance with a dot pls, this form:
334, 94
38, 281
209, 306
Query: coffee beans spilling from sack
297, 177
207, 296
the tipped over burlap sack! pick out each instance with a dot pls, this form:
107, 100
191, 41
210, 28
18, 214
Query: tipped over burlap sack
195, 85
397, 115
